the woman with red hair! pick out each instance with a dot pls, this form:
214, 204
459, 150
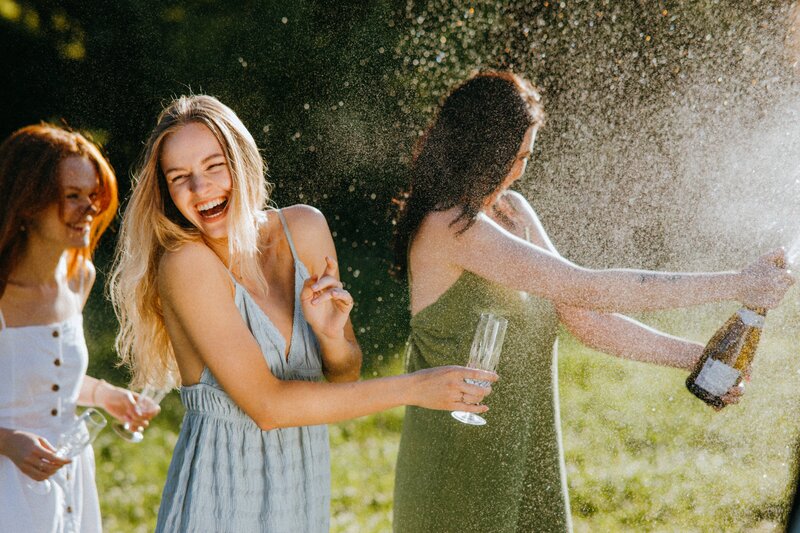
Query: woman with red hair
58, 196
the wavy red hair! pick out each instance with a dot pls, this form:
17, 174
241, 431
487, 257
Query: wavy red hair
29, 183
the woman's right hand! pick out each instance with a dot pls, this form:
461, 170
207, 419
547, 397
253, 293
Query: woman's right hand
32, 454
766, 280
444, 388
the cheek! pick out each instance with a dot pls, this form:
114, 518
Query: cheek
176, 194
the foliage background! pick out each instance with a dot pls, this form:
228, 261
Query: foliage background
670, 144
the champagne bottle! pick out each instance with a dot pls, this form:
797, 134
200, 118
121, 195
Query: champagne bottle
727, 356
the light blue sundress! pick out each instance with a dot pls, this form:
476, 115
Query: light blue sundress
226, 474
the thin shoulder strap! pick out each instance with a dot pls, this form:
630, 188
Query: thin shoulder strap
288, 234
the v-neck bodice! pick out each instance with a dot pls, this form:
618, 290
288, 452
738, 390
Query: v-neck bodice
278, 339
303, 359
226, 473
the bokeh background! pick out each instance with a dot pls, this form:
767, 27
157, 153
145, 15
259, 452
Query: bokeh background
671, 142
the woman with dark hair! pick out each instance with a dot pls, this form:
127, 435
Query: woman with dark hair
469, 245
59, 194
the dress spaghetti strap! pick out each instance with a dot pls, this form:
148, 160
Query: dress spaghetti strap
288, 234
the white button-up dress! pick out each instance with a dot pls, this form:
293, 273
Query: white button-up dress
41, 372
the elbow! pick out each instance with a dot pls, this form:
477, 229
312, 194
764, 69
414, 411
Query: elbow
267, 422
267, 418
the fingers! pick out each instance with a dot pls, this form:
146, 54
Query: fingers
147, 408
337, 295
468, 396
42, 466
325, 282
469, 407
331, 267
480, 375
776, 257
46, 452
734, 395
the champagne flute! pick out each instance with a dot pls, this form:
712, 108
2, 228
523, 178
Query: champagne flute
149, 397
484, 355
73, 441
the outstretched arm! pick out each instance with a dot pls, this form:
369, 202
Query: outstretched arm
611, 333
627, 338
489, 250
206, 325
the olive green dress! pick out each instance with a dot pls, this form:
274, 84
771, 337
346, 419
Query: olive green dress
507, 476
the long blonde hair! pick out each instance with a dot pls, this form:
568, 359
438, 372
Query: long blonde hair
152, 225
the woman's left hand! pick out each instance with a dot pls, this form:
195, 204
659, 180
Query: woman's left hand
736, 392
326, 305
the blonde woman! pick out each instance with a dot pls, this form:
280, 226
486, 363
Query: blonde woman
58, 196
245, 306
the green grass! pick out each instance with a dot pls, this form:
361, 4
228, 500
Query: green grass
642, 454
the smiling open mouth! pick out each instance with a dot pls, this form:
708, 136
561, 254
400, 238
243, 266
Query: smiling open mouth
80, 228
213, 208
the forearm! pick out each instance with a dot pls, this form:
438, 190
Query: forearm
305, 403
93, 392
512, 262
627, 338
341, 358
619, 290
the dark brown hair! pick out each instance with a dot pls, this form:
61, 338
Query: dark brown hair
466, 153
29, 183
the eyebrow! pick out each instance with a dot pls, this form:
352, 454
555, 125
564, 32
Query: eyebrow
212, 156
77, 188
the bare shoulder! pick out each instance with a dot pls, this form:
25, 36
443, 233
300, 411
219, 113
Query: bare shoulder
440, 223
310, 233
520, 211
305, 219
515, 199
192, 265
519, 203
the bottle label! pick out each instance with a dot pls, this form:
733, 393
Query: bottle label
751, 318
716, 378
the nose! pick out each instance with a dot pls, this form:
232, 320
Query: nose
198, 183
91, 209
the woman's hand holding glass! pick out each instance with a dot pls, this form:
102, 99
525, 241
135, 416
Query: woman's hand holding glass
448, 388
145, 406
32, 454
71, 443
484, 355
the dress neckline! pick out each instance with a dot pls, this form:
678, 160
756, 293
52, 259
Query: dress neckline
48, 326
287, 346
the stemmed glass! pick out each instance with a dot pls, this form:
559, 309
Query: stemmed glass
149, 398
484, 354
73, 441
